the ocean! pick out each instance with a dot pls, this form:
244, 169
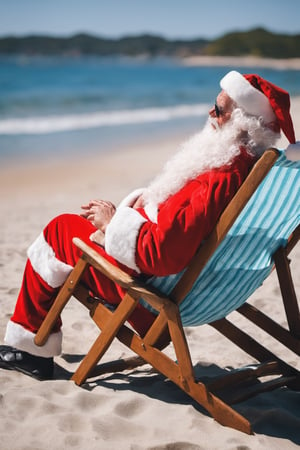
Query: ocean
55, 105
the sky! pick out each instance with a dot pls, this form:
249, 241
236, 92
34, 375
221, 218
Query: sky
168, 18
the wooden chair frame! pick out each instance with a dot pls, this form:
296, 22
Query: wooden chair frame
150, 348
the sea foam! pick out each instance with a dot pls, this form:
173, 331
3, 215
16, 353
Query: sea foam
53, 124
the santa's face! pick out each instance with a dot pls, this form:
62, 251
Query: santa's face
221, 112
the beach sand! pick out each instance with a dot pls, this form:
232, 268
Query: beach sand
137, 409
243, 61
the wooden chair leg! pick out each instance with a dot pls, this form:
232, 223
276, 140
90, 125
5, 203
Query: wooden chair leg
270, 326
182, 376
180, 344
60, 302
113, 326
250, 345
288, 292
101, 344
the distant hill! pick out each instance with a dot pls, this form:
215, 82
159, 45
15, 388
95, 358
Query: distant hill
257, 42
90, 45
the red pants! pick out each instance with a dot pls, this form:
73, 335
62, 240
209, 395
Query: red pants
50, 259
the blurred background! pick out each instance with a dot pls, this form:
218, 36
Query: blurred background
87, 76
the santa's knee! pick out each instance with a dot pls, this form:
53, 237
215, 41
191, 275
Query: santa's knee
62, 221
61, 230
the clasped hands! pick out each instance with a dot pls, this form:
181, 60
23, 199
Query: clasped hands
99, 213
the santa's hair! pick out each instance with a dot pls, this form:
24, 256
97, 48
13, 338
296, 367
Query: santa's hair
210, 149
256, 137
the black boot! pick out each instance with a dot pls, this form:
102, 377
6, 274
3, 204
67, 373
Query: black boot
35, 366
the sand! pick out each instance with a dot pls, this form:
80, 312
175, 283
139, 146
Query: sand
137, 409
243, 61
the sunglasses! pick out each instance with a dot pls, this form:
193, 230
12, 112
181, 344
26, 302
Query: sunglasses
218, 111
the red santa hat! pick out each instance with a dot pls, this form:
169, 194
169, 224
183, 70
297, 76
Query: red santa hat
259, 97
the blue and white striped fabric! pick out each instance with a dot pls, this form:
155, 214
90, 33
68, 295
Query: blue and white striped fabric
244, 258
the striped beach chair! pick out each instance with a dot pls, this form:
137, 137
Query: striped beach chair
243, 260
255, 233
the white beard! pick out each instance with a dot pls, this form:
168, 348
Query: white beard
211, 148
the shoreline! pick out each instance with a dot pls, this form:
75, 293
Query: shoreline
242, 61
158, 144
195, 60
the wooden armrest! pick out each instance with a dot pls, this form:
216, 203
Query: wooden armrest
135, 287
96, 260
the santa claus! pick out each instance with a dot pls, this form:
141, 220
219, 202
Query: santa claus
156, 230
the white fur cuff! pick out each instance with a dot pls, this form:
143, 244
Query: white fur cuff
45, 263
121, 236
22, 339
131, 198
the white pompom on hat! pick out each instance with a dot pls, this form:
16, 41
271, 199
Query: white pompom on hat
259, 97
292, 152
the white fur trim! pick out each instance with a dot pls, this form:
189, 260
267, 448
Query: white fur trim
22, 339
45, 263
293, 152
131, 198
151, 211
246, 96
121, 236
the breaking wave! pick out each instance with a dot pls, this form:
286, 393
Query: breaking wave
54, 124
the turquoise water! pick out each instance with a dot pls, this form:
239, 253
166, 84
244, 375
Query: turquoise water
51, 105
